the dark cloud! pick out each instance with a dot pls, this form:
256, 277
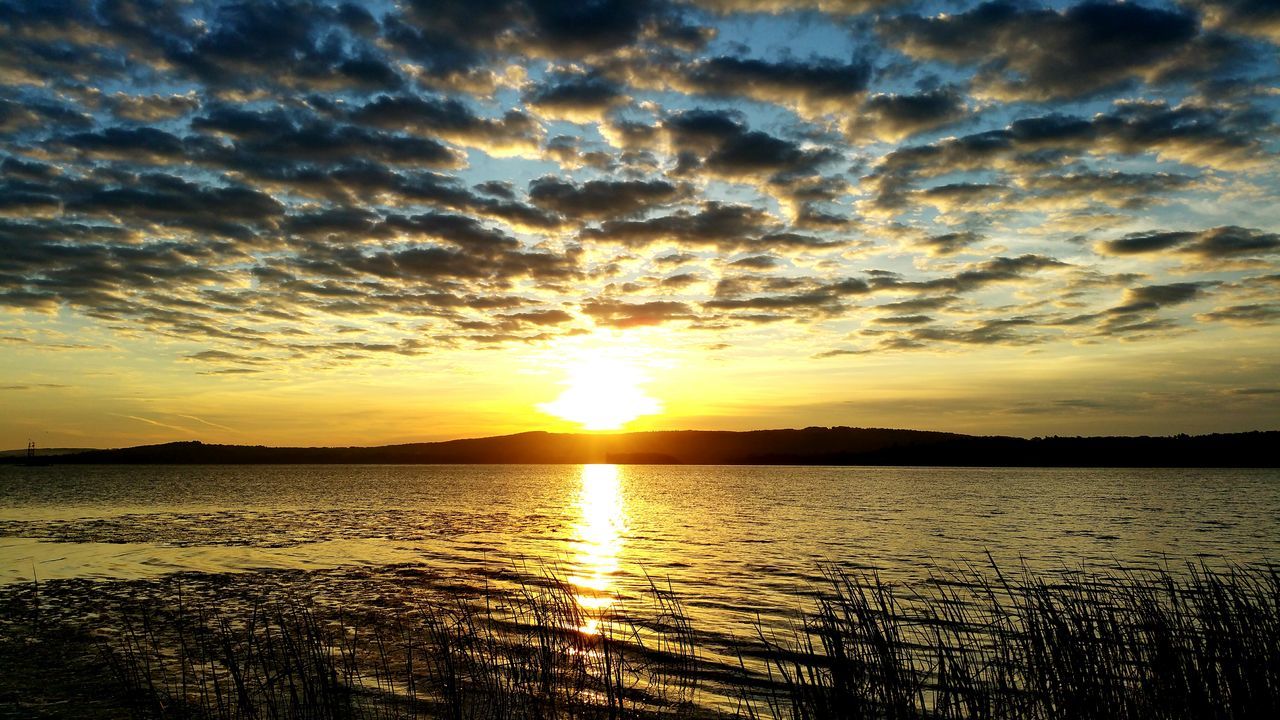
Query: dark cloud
1129, 191
449, 119
570, 153
816, 87
816, 299
294, 43
888, 116
1043, 54
1215, 244
618, 314
1231, 242
536, 317
721, 143
605, 199
235, 211
1253, 314
680, 280
1154, 297
903, 320
1255, 391
678, 258
804, 298
754, 153
755, 262
704, 130
949, 243
1196, 135
1005, 331
16, 116
144, 144
578, 98
463, 231
329, 143
460, 44
497, 188
1146, 242
917, 304
598, 25
974, 277
713, 225
1251, 17
785, 6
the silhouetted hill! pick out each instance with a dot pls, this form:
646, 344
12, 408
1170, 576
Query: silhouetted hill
810, 446
42, 452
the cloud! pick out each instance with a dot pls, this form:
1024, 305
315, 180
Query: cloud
1253, 314
949, 243
152, 108
602, 198
755, 262
892, 117
784, 6
1023, 51
902, 320
431, 175
451, 119
975, 276
721, 143
814, 87
1155, 297
576, 98
617, 314
1232, 241
1031, 147
1116, 189
1004, 331
1251, 17
714, 224
1214, 244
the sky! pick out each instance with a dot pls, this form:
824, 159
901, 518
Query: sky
319, 223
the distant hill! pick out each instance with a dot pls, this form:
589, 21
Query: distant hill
42, 452
810, 446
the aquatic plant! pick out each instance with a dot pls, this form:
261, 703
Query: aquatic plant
968, 643
497, 655
1129, 644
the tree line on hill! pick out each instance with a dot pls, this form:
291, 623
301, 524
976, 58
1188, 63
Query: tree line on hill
808, 446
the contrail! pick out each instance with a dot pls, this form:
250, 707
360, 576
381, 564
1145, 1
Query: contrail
210, 424
156, 423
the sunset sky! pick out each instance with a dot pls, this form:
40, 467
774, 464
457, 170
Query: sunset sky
322, 223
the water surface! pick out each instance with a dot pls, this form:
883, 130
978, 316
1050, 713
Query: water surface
736, 542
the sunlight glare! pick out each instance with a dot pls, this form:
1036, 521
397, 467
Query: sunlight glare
602, 393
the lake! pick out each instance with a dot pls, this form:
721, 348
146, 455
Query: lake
738, 544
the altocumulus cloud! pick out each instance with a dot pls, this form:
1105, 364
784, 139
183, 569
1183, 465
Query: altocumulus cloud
256, 179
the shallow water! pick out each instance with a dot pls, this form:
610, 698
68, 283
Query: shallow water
738, 544
737, 538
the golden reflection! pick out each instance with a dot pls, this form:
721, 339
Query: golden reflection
599, 534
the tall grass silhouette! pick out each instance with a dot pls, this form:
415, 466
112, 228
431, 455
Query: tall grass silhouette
969, 643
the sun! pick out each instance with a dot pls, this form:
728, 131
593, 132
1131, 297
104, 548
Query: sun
602, 392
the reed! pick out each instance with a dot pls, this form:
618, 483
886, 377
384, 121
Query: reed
969, 643
505, 656
1128, 644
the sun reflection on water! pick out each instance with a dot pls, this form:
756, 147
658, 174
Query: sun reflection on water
598, 533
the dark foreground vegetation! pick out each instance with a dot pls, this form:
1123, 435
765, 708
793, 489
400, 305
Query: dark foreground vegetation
1198, 643
809, 446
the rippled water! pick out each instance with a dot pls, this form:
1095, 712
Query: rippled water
736, 542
